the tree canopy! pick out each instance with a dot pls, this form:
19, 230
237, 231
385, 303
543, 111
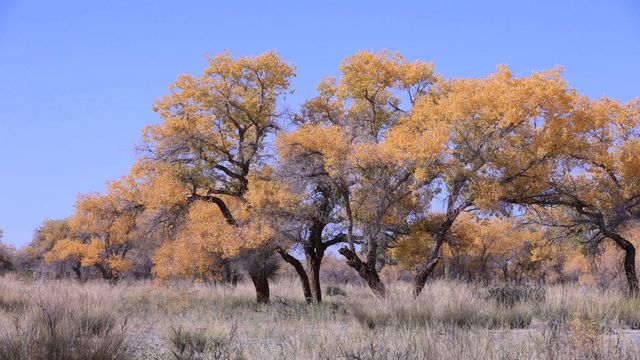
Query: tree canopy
389, 160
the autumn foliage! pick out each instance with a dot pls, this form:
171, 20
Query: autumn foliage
500, 177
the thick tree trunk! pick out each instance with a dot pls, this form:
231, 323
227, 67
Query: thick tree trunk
313, 265
302, 274
261, 283
424, 271
423, 274
366, 271
629, 262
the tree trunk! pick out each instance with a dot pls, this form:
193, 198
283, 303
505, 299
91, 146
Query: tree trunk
365, 270
423, 274
261, 283
229, 274
427, 267
77, 271
302, 274
424, 271
313, 265
629, 262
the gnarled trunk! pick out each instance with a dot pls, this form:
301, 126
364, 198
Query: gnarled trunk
427, 267
302, 274
261, 283
313, 265
260, 264
423, 272
629, 262
366, 271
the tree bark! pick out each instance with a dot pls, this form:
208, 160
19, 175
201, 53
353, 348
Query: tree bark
302, 274
423, 274
427, 267
424, 271
629, 262
261, 283
365, 270
313, 265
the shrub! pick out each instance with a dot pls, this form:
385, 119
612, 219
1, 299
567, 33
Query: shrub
200, 344
65, 331
335, 291
511, 294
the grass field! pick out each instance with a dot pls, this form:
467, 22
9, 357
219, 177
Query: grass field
450, 320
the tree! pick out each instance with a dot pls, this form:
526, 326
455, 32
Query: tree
595, 180
32, 257
343, 131
489, 122
311, 224
102, 230
211, 138
7, 254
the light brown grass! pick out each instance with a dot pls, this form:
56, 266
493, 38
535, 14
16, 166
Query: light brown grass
450, 320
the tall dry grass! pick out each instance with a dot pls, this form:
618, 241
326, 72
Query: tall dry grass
450, 320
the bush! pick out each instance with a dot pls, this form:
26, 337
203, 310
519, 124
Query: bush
511, 294
335, 291
65, 331
199, 344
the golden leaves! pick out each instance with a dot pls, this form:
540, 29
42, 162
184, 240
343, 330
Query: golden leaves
65, 249
330, 143
388, 132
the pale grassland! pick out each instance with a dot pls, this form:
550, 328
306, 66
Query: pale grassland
450, 320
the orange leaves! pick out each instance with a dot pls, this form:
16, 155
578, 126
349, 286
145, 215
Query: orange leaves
384, 138
418, 138
65, 249
365, 73
269, 195
309, 140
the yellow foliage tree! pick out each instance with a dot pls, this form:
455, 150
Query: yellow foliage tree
201, 158
102, 230
343, 135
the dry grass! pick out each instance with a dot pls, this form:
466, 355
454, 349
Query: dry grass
450, 320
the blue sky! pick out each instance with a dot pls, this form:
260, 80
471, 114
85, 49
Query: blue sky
78, 78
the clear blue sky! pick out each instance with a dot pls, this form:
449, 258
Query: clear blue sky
78, 78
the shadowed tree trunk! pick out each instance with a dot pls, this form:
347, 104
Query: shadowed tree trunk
424, 271
261, 265
261, 283
229, 274
302, 274
314, 251
313, 265
629, 262
76, 269
367, 271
